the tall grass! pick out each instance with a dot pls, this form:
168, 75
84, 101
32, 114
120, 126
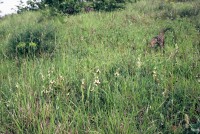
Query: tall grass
103, 78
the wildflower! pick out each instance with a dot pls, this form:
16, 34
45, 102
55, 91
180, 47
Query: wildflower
83, 83
165, 93
97, 81
57, 107
139, 63
17, 85
82, 38
198, 77
45, 91
116, 74
187, 121
149, 107
154, 73
49, 73
92, 89
42, 91
98, 71
8, 103
52, 69
176, 46
42, 76
61, 77
121, 126
52, 82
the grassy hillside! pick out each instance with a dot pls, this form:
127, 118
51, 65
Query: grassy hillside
94, 73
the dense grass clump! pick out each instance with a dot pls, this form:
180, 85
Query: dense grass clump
103, 77
32, 40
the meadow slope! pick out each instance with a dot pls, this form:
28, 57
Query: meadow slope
100, 76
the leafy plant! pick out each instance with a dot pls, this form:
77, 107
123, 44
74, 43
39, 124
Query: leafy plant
75, 6
32, 40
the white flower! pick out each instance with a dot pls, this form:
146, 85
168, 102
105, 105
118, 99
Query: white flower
139, 63
42, 76
187, 121
116, 74
98, 71
164, 93
52, 82
61, 78
97, 81
83, 83
17, 85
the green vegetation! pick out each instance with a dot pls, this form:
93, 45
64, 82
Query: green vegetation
75, 6
98, 75
32, 39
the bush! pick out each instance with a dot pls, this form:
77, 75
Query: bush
70, 7
32, 40
107, 5
76, 6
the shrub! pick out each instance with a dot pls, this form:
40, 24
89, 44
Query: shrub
76, 6
70, 7
107, 5
32, 40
